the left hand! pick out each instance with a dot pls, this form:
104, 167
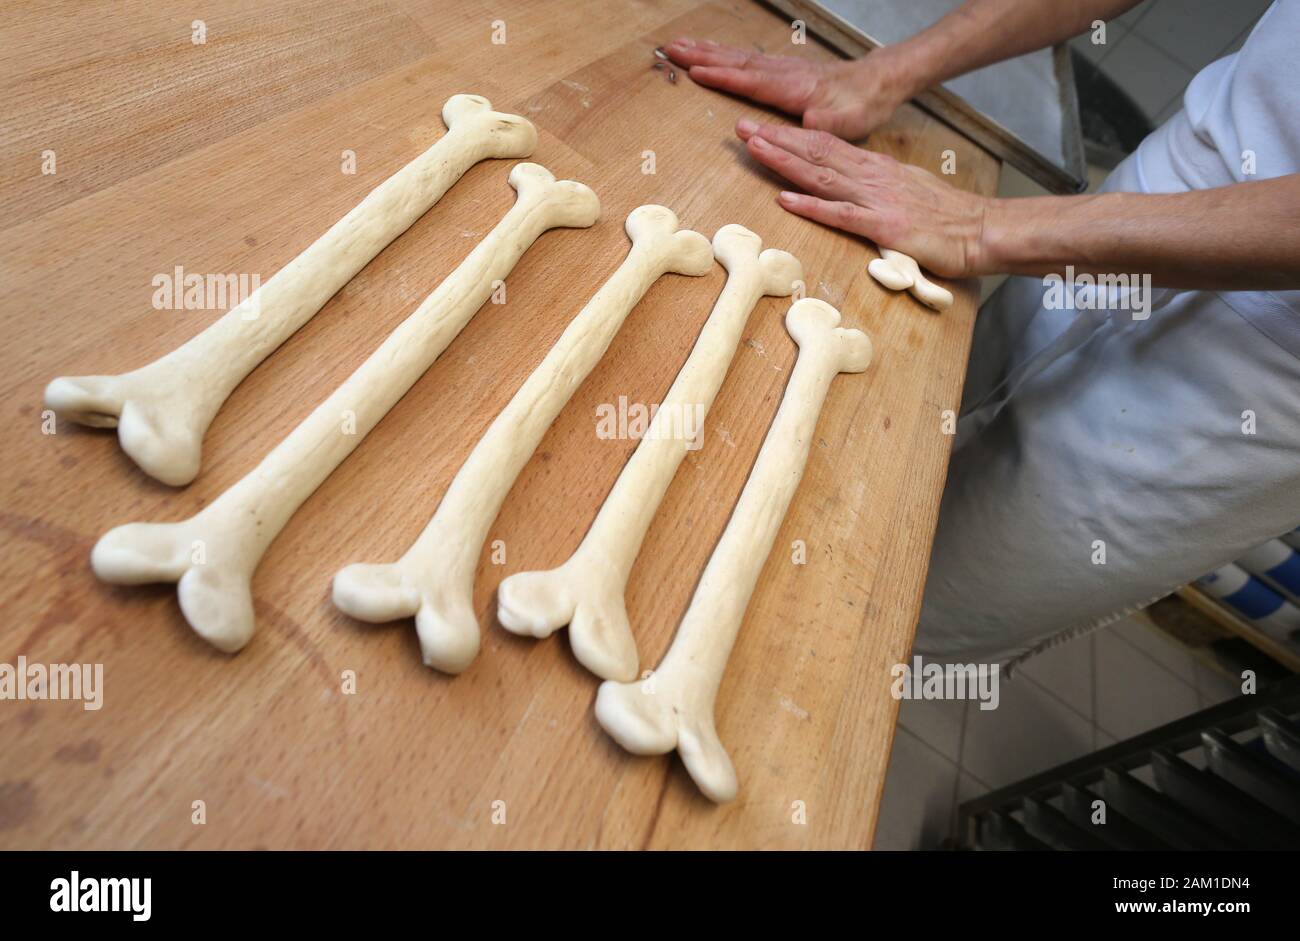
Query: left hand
848, 98
895, 205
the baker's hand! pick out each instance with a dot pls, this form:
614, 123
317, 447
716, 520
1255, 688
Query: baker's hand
848, 99
895, 205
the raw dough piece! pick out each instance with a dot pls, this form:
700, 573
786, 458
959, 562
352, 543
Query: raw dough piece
900, 272
214, 553
162, 410
434, 580
673, 707
586, 592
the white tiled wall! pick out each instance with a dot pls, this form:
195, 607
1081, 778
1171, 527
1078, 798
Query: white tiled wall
1153, 50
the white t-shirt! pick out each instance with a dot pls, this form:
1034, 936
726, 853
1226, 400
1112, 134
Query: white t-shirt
1240, 114
1240, 122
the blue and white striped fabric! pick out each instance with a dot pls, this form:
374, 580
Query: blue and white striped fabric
1254, 601
1277, 564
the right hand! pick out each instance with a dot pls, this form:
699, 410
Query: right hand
848, 99
873, 195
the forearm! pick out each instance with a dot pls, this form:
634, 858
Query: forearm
981, 32
1240, 237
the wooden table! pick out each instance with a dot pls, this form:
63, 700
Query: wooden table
225, 157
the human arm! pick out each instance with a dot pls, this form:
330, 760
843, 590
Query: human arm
1245, 236
851, 98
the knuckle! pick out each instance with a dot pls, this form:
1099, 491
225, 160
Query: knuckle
824, 177
819, 145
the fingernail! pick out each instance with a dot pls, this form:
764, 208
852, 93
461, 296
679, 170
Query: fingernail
746, 126
759, 142
789, 197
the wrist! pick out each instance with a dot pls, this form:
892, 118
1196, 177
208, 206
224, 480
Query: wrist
896, 71
1013, 238
1042, 234
995, 252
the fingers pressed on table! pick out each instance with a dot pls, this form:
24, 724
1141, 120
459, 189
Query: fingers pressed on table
819, 147
823, 181
690, 52
777, 89
835, 213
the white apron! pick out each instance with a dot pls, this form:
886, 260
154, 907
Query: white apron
1101, 461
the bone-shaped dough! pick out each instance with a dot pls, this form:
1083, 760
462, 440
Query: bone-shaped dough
673, 707
587, 591
434, 580
214, 553
162, 410
900, 272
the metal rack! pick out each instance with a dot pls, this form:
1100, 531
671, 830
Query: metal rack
1227, 777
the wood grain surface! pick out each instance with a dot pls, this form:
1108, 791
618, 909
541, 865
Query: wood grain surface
226, 157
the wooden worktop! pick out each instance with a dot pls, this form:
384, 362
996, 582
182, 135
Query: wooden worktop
225, 157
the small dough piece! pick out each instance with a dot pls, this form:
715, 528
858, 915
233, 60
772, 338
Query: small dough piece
162, 410
587, 591
214, 553
900, 272
434, 580
673, 707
